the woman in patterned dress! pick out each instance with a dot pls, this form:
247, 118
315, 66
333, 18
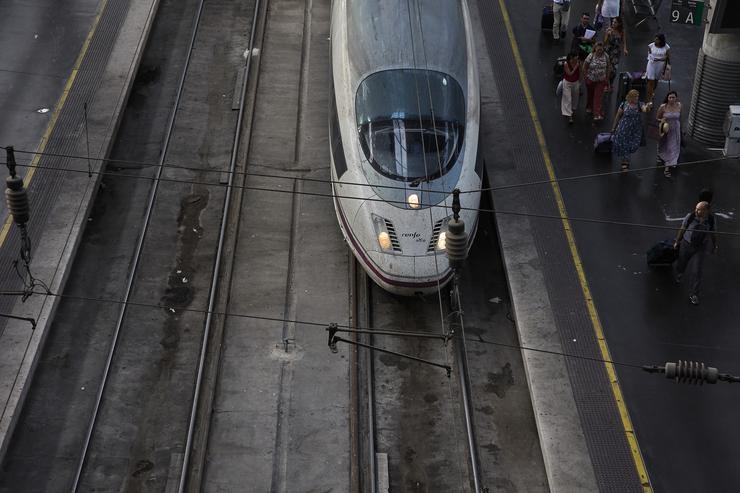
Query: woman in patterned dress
669, 145
627, 128
596, 68
615, 43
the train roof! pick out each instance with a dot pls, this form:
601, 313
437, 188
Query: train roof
422, 34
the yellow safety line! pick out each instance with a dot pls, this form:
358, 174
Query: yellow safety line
593, 314
55, 115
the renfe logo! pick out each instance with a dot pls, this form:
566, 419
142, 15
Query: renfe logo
414, 236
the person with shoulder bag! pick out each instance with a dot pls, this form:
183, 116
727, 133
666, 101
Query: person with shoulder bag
695, 238
658, 60
596, 70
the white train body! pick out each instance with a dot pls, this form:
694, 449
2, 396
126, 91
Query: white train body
404, 123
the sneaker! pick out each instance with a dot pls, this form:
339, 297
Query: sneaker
598, 118
694, 299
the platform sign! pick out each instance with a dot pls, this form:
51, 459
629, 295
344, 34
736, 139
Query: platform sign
687, 12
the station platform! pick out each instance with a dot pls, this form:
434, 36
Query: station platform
574, 230
83, 101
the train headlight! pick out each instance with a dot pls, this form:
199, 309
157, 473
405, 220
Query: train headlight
381, 230
413, 201
438, 242
384, 240
441, 240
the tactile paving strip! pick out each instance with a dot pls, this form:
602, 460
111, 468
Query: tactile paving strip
46, 185
605, 437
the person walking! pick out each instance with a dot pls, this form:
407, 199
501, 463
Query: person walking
669, 144
608, 9
615, 43
571, 86
560, 15
627, 127
596, 69
695, 238
659, 56
583, 36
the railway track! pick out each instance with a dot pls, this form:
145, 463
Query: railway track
98, 468
137, 372
412, 423
229, 385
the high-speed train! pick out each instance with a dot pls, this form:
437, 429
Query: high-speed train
403, 123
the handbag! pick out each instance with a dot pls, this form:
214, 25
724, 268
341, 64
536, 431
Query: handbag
559, 89
565, 6
666, 75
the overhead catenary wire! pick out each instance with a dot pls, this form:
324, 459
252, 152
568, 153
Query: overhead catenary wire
397, 202
292, 176
322, 325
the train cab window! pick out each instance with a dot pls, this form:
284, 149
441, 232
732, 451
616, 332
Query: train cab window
335, 136
411, 123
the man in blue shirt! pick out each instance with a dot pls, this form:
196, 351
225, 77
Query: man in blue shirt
581, 44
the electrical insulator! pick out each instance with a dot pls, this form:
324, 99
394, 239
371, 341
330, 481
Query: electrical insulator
17, 199
691, 372
456, 241
15, 194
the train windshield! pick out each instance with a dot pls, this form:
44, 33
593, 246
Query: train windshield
411, 123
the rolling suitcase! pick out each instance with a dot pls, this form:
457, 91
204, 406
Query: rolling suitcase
548, 18
630, 80
603, 143
662, 254
637, 82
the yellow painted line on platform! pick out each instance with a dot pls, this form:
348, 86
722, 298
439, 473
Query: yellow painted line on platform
570, 237
55, 115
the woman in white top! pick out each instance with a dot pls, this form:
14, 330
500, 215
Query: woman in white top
608, 8
659, 53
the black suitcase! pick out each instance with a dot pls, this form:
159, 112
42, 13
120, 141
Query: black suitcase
548, 18
628, 81
558, 70
662, 254
639, 83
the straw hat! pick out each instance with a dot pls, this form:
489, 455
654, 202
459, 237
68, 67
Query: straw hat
663, 128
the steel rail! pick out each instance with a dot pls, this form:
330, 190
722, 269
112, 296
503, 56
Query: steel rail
370, 375
362, 424
217, 262
139, 248
465, 388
